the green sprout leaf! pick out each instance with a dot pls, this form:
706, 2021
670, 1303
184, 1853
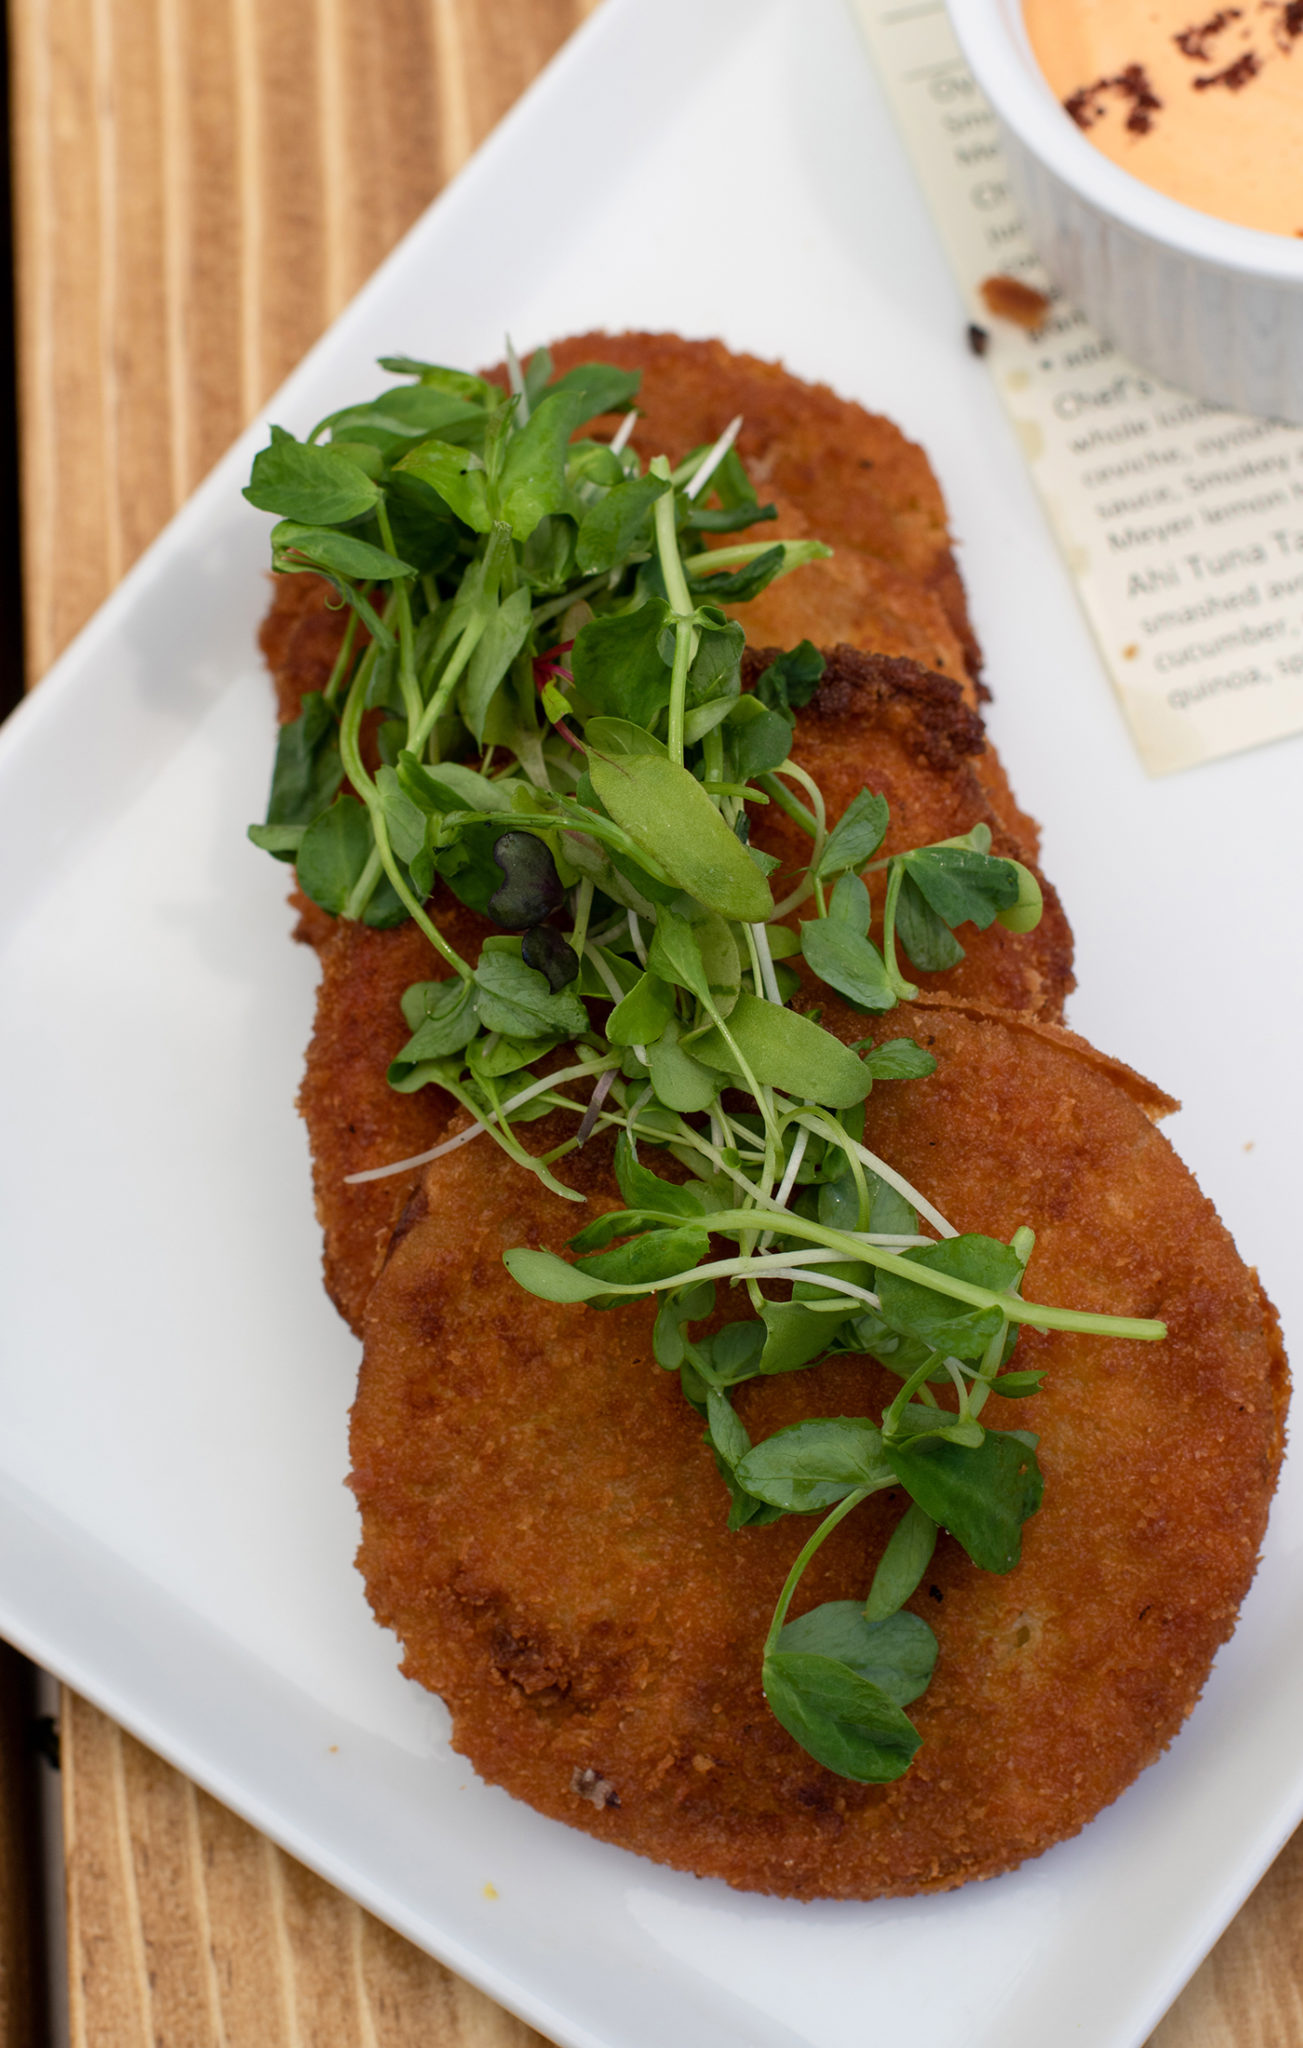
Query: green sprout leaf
654, 1255
343, 553
308, 771
899, 1059
788, 1051
762, 740
794, 1336
1024, 914
857, 835
313, 485
669, 816
680, 1081
738, 586
516, 999
447, 1023
926, 939
552, 1279
458, 383
495, 650
595, 388
962, 887
728, 1439
617, 664
611, 529
901, 1566
457, 476
942, 1323
404, 819
533, 480
896, 1652
332, 855
788, 684
812, 1464
844, 1721
643, 1189
982, 1496
643, 1015
849, 963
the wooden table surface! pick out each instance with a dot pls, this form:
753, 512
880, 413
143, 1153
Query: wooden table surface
200, 186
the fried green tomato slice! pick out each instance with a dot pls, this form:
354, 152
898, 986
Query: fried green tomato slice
544, 1527
883, 722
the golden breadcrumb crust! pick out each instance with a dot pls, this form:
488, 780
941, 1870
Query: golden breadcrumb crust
543, 1525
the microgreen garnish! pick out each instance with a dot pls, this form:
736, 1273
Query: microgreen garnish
566, 745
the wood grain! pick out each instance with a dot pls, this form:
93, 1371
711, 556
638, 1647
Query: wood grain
200, 186
187, 1929
1249, 1993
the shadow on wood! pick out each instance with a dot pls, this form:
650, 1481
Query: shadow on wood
23, 2015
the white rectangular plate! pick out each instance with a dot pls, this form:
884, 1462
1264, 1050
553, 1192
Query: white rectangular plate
174, 1536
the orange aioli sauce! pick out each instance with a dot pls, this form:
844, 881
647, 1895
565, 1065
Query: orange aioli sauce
1204, 103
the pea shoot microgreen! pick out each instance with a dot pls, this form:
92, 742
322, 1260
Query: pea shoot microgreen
565, 744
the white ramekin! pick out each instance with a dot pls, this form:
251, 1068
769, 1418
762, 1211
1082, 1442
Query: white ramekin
1212, 307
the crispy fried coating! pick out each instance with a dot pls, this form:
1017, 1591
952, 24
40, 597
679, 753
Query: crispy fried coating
836, 473
300, 636
543, 1525
895, 728
900, 725
885, 723
355, 1119
834, 470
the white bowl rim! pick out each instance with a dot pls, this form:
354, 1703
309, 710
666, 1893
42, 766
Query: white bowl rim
1001, 61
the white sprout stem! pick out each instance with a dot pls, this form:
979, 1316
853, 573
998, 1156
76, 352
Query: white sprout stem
583, 911
620, 438
788, 1181
710, 462
608, 931
893, 1179
598, 959
846, 1287
960, 1385
629, 1115
741, 1141
635, 934
765, 1266
474, 1130
755, 1267
687, 1137
759, 935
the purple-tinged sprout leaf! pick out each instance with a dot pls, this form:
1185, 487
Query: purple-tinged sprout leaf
531, 887
544, 949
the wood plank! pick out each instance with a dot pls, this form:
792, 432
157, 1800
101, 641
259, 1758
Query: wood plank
1249, 1992
200, 186
188, 1929
199, 189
